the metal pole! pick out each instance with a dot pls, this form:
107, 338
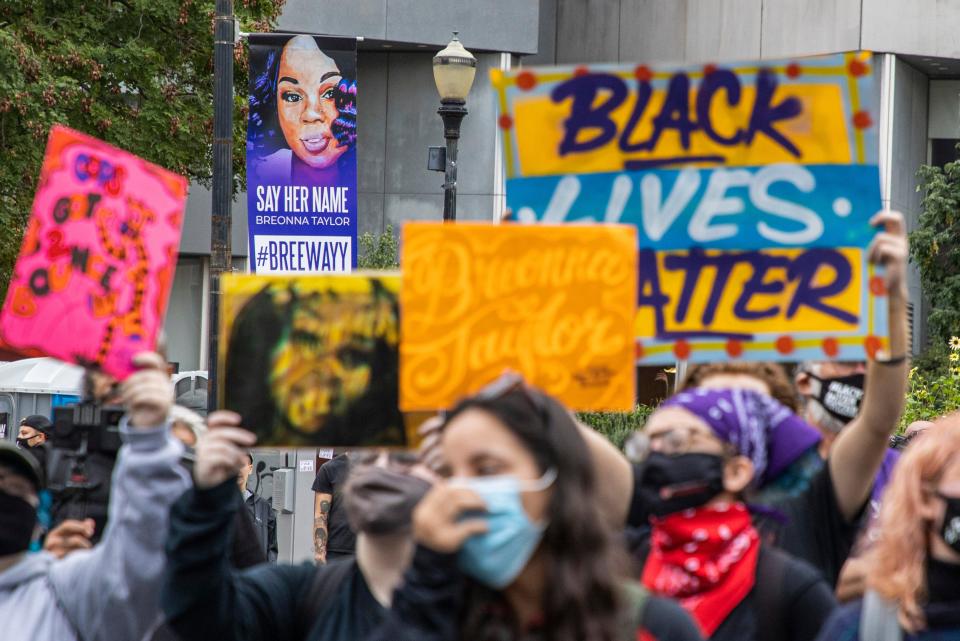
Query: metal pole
220, 251
452, 113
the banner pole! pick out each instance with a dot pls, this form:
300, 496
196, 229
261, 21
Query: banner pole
220, 250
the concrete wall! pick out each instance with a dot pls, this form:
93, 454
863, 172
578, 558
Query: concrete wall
908, 152
491, 25
944, 109
701, 30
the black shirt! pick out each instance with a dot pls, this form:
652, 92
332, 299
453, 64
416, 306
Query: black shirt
330, 480
204, 598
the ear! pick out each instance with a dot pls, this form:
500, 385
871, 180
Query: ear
803, 383
737, 474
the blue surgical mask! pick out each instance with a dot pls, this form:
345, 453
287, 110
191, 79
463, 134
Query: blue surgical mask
496, 557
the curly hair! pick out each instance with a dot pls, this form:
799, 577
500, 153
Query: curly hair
898, 560
772, 374
581, 599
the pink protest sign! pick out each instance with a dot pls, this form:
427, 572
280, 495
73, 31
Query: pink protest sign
98, 256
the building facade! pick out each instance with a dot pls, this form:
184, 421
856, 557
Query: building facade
397, 120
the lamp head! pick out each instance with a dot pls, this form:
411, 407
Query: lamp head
453, 72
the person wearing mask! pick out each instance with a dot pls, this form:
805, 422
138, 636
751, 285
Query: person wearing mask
34, 433
109, 592
332, 536
345, 599
828, 498
706, 449
512, 545
261, 510
913, 571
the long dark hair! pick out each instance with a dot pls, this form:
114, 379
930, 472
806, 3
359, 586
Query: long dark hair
581, 599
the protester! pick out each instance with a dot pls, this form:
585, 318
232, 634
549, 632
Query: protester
513, 545
261, 510
344, 599
764, 377
707, 449
110, 592
913, 571
825, 502
35, 432
332, 536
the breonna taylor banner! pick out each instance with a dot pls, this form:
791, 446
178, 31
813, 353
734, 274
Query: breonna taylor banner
751, 184
302, 154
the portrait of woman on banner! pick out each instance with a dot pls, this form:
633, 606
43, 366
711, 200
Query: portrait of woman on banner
303, 114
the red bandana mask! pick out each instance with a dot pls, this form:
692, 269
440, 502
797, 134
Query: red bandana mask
706, 559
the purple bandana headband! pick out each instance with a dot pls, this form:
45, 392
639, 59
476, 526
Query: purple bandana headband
757, 426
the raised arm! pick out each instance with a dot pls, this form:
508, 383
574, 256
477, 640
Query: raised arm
203, 597
112, 590
860, 448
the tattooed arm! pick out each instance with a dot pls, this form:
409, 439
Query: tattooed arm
321, 511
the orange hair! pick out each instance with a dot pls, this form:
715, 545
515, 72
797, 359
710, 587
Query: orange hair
898, 560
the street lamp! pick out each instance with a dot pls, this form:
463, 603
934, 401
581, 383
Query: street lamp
453, 71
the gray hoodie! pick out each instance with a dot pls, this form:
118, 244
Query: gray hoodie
112, 592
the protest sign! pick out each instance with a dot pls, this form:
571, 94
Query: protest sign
98, 257
302, 154
312, 360
751, 186
554, 303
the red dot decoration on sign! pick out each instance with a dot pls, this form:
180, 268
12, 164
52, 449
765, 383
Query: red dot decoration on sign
643, 73
784, 345
862, 120
580, 71
794, 70
709, 69
872, 345
638, 351
831, 348
505, 121
878, 287
526, 80
734, 348
682, 349
858, 68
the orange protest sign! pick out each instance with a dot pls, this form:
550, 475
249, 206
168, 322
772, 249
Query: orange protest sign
554, 303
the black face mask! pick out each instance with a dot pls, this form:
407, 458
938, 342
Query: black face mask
841, 396
23, 443
381, 501
951, 522
673, 483
17, 521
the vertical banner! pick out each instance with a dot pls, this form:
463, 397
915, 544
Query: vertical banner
302, 154
751, 185
98, 257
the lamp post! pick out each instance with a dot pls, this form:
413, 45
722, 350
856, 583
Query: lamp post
453, 71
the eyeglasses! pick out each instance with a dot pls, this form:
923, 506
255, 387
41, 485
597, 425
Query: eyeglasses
680, 440
401, 460
510, 382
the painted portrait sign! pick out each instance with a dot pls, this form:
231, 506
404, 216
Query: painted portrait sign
98, 257
313, 360
554, 303
302, 154
751, 186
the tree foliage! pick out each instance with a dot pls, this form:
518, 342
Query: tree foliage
379, 252
935, 248
136, 73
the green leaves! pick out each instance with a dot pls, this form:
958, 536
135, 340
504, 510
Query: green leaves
617, 426
379, 252
136, 73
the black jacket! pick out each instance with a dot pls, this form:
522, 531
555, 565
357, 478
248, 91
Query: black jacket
265, 522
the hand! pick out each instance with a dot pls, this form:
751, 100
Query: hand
430, 453
436, 519
852, 583
891, 249
69, 536
222, 452
148, 393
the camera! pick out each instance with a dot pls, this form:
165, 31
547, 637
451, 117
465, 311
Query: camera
87, 426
